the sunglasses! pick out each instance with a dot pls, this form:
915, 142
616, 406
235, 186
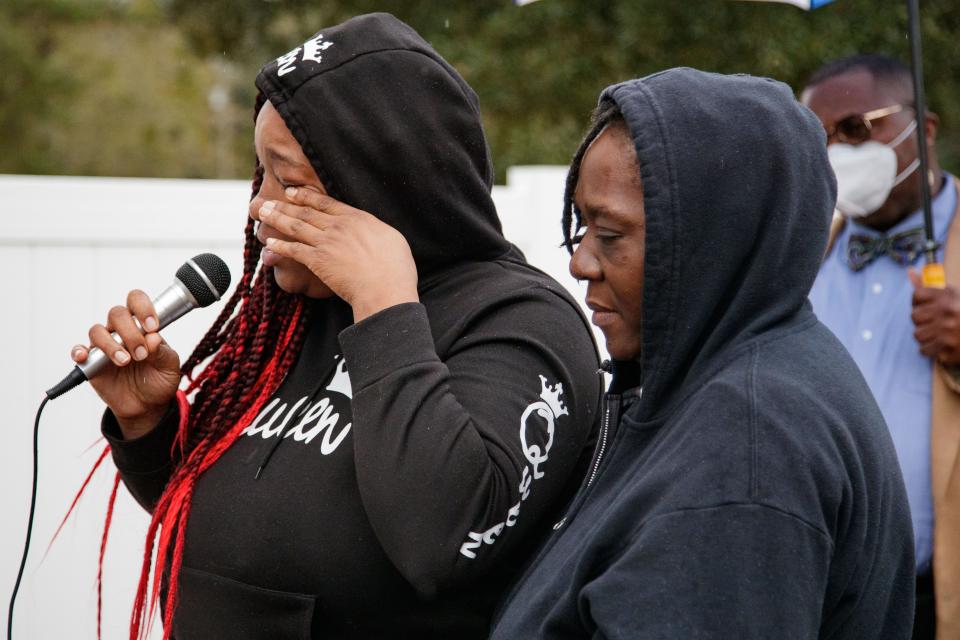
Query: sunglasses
857, 128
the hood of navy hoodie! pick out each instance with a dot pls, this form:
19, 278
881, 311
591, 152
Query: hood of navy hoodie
738, 196
392, 128
755, 469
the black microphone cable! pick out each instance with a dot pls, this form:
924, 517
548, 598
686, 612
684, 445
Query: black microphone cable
199, 282
33, 507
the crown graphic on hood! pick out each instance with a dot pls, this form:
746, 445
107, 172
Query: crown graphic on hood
391, 128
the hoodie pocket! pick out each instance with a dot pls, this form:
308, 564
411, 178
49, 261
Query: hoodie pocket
213, 607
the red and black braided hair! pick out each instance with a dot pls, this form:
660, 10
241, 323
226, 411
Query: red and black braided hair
250, 347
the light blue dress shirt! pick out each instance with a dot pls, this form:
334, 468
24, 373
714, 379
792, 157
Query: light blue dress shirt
869, 311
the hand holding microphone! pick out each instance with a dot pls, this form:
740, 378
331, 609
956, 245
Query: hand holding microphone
130, 366
146, 372
133, 370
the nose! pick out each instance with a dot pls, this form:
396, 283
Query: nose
254, 207
265, 193
583, 264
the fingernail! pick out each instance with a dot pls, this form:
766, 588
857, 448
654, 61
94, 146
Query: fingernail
76, 351
151, 324
121, 357
290, 191
140, 353
271, 242
267, 207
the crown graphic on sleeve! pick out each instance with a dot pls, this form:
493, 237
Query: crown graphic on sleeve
551, 395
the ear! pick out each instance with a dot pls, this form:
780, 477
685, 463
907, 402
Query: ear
931, 124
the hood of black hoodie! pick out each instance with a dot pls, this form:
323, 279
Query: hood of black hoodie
392, 129
738, 195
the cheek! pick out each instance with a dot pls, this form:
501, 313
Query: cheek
295, 278
626, 281
907, 152
631, 296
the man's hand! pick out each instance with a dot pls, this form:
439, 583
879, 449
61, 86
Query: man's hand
363, 260
936, 316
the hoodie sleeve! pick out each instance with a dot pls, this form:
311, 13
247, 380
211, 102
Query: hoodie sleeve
460, 459
144, 463
730, 571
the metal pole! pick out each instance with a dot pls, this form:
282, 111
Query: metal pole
920, 105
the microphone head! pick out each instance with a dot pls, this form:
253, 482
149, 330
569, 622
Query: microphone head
206, 277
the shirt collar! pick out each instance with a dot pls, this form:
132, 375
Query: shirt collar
943, 205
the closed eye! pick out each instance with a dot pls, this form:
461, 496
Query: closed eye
608, 238
605, 237
288, 183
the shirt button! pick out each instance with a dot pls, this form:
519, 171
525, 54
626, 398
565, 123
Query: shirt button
877, 288
867, 334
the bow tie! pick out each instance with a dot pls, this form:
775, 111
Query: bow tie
904, 247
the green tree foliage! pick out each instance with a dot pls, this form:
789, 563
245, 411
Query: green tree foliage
124, 87
97, 87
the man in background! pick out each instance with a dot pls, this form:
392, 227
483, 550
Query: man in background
904, 337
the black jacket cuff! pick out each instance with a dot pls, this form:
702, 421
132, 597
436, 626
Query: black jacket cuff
144, 454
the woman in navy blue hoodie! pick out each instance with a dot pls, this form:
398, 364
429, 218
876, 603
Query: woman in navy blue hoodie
397, 404
744, 484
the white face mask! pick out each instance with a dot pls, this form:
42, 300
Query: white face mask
867, 172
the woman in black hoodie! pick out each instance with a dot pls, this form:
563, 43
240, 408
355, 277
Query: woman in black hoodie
396, 404
745, 485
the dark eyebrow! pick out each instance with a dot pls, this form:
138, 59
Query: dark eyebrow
595, 212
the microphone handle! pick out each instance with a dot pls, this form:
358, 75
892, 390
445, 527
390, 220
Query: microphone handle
171, 304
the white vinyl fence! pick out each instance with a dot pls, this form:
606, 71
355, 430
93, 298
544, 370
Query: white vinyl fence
70, 248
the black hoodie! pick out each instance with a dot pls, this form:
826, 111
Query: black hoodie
426, 449
749, 488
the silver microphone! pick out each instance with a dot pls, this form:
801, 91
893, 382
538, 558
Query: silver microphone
200, 282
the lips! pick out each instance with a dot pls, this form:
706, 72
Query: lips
267, 257
602, 315
603, 318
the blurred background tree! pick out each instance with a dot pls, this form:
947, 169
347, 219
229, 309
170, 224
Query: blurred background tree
165, 87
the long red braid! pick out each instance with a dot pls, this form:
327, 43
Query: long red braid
254, 342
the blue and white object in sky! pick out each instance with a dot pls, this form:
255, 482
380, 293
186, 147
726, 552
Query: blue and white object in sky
803, 4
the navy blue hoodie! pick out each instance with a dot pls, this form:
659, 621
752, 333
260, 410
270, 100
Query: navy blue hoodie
747, 487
